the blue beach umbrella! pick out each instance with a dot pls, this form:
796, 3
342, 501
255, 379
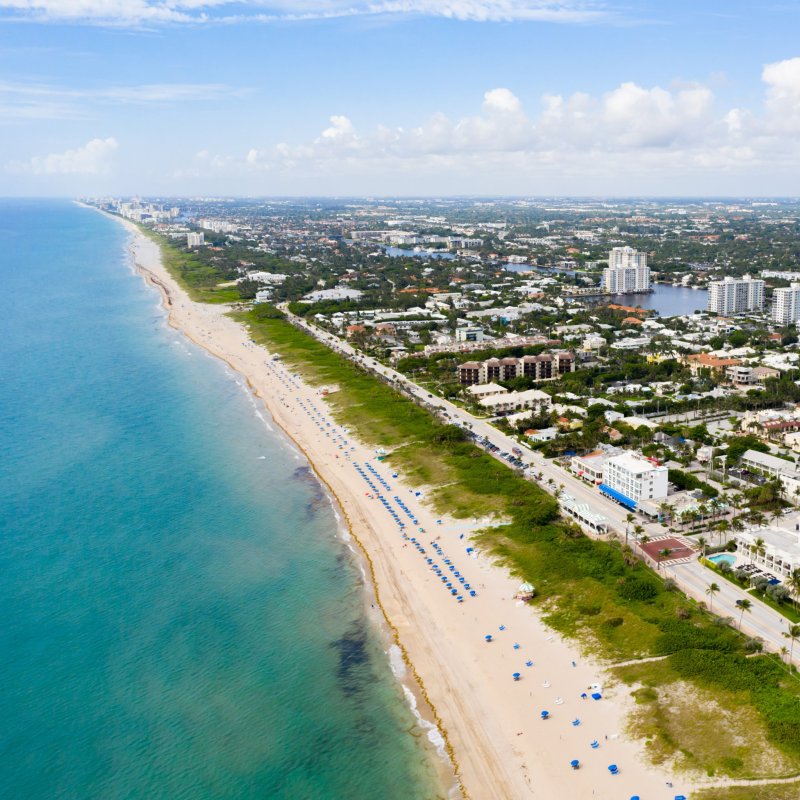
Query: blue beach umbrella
545, 715
613, 769
574, 763
517, 676
488, 637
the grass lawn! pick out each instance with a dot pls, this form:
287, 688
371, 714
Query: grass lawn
787, 610
787, 791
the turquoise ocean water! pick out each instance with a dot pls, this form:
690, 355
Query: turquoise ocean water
179, 617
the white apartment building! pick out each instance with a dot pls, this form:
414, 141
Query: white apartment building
630, 479
786, 305
735, 295
627, 271
195, 239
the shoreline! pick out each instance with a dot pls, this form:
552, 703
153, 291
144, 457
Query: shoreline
497, 747
415, 694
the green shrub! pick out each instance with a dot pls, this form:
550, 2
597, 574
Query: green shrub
637, 589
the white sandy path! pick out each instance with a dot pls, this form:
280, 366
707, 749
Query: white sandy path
502, 747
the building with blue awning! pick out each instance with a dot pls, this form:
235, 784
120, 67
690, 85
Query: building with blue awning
618, 496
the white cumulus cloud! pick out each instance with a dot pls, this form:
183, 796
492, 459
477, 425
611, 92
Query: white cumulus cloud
94, 158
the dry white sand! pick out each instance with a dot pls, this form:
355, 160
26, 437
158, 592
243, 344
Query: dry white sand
502, 748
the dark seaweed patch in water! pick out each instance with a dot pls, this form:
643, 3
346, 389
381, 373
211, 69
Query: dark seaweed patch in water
307, 476
353, 668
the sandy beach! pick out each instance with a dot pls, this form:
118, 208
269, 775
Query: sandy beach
492, 723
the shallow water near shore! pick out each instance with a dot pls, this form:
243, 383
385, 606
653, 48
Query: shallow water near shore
182, 618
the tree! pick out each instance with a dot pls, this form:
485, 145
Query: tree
744, 605
793, 635
793, 584
703, 542
713, 588
758, 548
628, 519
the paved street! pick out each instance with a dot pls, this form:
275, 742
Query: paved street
692, 577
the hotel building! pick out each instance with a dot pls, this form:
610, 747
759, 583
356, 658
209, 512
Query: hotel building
630, 479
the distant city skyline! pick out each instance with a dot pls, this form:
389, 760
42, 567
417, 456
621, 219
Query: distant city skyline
399, 97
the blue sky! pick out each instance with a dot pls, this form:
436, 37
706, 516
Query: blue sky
338, 97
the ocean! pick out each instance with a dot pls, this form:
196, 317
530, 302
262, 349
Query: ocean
182, 617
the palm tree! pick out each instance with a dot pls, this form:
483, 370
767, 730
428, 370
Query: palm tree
713, 588
793, 635
628, 519
666, 511
628, 556
757, 548
793, 584
776, 514
703, 542
722, 527
757, 519
638, 530
744, 605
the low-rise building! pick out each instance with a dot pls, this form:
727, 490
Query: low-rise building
717, 366
778, 548
590, 466
542, 434
481, 390
533, 399
767, 464
470, 334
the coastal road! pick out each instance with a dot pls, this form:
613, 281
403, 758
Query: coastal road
577, 488
692, 577
760, 621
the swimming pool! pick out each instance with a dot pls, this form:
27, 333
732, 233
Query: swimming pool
719, 558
